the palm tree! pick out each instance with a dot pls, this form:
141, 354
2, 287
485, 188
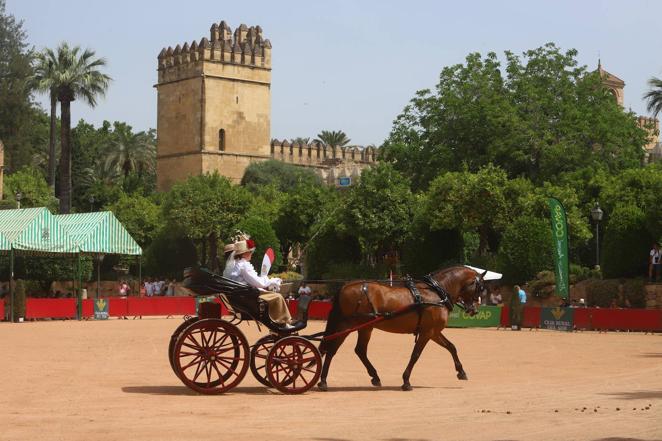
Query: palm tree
333, 138
130, 152
654, 96
75, 75
300, 140
44, 80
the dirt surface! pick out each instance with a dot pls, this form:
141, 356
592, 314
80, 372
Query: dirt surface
110, 380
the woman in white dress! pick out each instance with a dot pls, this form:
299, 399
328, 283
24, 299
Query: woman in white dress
241, 269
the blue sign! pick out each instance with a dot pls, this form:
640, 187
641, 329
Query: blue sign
345, 181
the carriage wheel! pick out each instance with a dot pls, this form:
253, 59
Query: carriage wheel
211, 356
293, 365
173, 340
259, 353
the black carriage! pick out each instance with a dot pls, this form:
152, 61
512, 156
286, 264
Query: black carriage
211, 355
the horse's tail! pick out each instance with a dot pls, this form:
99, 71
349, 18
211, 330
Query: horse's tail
332, 321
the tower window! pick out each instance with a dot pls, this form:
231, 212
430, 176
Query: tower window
221, 140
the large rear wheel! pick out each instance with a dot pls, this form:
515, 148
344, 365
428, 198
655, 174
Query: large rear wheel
211, 356
294, 365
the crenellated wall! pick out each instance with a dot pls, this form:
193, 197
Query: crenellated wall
330, 162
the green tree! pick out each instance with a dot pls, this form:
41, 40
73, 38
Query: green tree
526, 249
539, 116
378, 211
300, 140
654, 96
470, 202
34, 189
76, 75
334, 138
139, 215
206, 208
131, 152
626, 242
280, 174
303, 207
17, 112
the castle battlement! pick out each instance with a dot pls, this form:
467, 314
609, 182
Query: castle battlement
246, 47
317, 153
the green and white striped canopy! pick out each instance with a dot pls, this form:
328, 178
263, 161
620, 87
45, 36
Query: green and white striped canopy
34, 230
98, 233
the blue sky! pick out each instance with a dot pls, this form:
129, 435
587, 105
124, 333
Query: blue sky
344, 65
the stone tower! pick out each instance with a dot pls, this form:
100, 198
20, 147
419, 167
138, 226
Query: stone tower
214, 105
613, 83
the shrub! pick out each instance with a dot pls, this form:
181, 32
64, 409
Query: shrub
327, 249
626, 243
633, 290
526, 249
601, 292
288, 276
543, 285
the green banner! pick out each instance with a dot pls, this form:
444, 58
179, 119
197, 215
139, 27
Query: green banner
560, 238
487, 317
101, 309
559, 319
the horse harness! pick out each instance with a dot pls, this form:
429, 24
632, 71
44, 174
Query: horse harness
418, 305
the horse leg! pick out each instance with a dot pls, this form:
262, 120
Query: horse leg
421, 341
442, 341
330, 349
361, 350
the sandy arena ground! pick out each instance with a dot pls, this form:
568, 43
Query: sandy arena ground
110, 380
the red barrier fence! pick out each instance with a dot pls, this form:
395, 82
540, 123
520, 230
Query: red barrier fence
584, 318
316, 310
2, 309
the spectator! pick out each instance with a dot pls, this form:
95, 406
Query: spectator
149, 287
123, 287
522, 296
654, 263
304, 290
495, 297
159, 287
614, 303
171, 288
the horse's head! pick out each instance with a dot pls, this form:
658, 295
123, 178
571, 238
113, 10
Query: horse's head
465, 286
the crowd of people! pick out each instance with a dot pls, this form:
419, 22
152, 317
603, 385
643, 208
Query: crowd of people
155, 287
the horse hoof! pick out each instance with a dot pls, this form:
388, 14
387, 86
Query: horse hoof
322, 386
406, 387
376, 382
462, 376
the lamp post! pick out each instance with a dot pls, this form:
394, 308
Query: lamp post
91, 200
596, 215
18, 196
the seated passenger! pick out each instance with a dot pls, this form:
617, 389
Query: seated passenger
242, 271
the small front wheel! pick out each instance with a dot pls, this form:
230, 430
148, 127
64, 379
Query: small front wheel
259, 353
294, 365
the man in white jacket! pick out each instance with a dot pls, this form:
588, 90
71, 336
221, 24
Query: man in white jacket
241, 269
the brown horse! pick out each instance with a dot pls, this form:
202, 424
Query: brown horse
360, 302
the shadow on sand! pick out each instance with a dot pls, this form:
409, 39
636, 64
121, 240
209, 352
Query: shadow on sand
259, 390
637, 395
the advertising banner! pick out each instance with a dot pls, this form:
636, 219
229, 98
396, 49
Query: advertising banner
559, 319
487, 317
101, 309
560, 238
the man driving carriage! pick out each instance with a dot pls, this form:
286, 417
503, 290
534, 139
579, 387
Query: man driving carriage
240, 269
